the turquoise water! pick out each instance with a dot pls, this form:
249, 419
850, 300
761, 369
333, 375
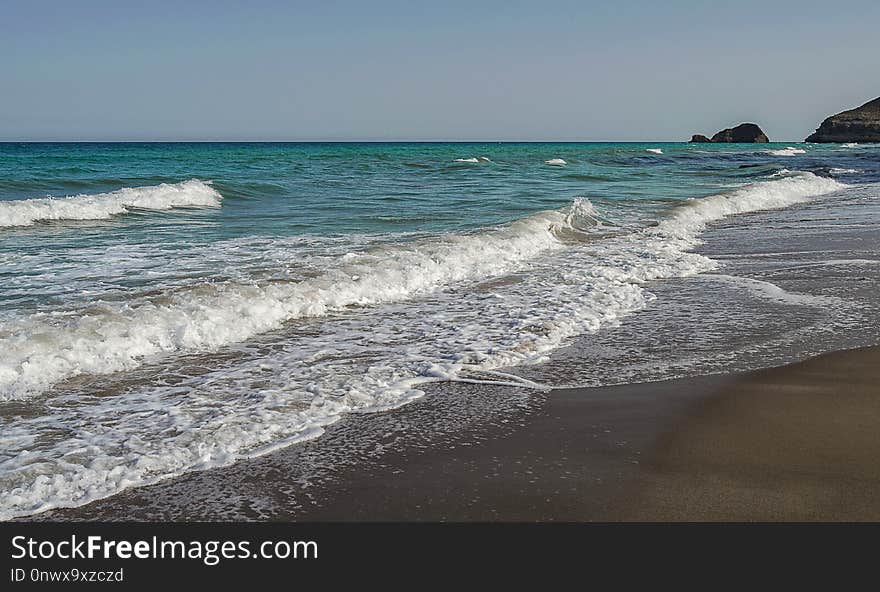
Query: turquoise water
286, 189
338, 189
171, 307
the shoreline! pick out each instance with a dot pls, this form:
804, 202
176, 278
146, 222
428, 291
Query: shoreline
791, 282
790, 443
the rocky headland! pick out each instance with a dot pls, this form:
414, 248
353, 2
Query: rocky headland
861, 124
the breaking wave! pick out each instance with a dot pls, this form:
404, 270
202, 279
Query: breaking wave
41, 350
561, 289
100, 206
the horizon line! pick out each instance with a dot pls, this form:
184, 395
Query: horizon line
215, 141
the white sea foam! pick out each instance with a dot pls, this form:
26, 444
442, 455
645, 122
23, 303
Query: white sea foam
773, 292
100, 206
692, 216
41, 350
582, 210
555, 162
850, 145
429, 311
825, 263
787, 151
654, 150
839, 171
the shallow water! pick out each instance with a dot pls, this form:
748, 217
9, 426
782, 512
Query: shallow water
193, 304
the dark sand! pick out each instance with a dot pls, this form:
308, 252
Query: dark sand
800, 442
795, 443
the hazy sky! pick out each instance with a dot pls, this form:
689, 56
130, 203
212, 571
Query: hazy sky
444, 70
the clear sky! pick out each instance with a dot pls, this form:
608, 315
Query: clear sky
441, 70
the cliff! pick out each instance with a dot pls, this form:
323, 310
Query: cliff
861, 124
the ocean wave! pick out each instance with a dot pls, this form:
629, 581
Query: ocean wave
555, 162
100, 206
583, 177
787, 151
291, 391
41, 350
654, 150
473, 159
691, 217
582, 214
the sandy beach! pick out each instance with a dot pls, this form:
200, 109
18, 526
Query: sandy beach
797, 443
794, 443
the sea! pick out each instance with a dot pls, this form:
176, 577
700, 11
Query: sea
168, 308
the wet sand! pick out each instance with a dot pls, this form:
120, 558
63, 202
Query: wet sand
798, 443
794, 443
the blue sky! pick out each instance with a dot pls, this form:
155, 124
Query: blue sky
555, 70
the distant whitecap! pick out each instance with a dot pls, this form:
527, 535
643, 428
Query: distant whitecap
555, 162
787, 151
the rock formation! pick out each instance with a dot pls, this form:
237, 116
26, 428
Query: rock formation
861, 124
743, 133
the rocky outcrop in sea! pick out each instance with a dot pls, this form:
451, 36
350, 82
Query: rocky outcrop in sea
861, 124
742, 133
